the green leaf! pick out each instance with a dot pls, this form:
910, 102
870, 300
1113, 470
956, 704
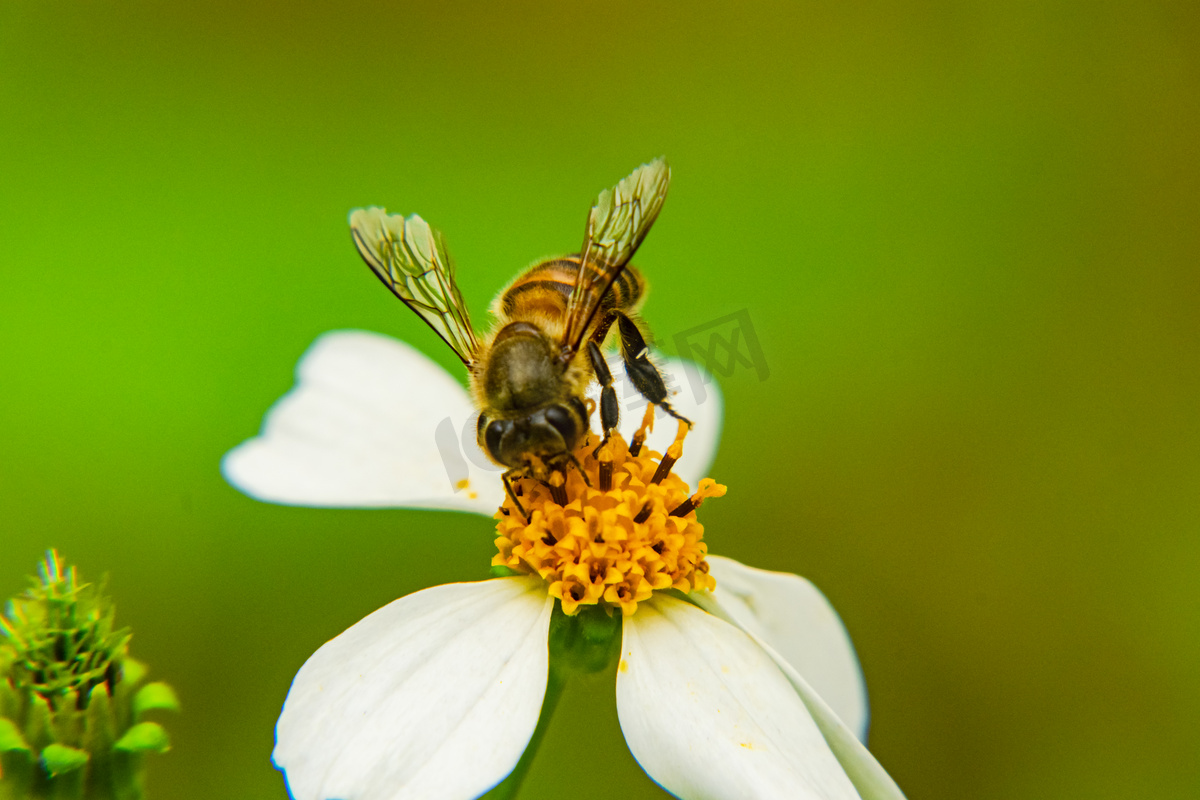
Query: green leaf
154, 696
144, 736
37, 723
10, 703
20, 767
10, 737
66, 721
59, 759
100, 728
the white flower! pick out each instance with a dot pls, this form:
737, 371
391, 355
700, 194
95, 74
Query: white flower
374, 423
752, 690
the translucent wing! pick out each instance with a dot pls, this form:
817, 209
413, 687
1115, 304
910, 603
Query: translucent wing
411, 259
618, 222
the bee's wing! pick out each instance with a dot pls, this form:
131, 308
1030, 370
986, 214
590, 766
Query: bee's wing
618, 222
411, 259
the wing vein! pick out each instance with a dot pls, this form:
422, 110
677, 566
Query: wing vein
411, 259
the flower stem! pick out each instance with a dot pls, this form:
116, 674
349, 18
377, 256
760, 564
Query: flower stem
508, 788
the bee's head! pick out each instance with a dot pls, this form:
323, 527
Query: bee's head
550, 431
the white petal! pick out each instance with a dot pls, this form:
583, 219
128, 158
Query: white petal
791, 615
708, 714
371, 422
703, 409
869, 777
433, 696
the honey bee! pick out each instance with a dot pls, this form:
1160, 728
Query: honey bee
529, 375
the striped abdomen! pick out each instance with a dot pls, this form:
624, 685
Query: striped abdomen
546, 288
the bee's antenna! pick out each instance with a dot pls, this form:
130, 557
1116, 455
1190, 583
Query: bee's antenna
579, 467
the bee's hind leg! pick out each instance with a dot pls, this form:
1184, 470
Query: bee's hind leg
645, 376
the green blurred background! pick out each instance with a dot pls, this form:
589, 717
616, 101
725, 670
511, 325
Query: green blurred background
966, 235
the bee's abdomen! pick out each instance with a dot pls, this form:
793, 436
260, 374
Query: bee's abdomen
625, 291
547, 287
543, 289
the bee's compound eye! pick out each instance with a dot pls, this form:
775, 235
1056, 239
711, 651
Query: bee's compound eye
563, 422
493, 434
580, 408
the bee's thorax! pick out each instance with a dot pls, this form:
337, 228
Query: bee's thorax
522, 373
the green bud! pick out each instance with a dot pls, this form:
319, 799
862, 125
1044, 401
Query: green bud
72, 701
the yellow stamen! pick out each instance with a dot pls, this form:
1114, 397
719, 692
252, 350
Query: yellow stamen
557, 490
639, 436
606, 467
614, 543
673, 453
708, 488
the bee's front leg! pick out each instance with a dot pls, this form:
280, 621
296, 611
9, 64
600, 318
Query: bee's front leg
515, 472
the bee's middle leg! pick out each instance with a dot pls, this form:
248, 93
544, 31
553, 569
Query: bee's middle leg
641, 371
610, 411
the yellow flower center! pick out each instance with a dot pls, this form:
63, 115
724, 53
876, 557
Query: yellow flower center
613, 538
